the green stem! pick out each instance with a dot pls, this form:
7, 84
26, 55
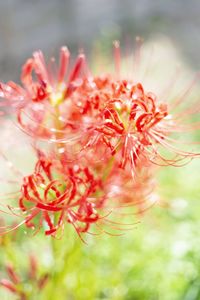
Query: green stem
62, 251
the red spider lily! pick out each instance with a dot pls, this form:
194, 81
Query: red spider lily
132, 124
104, 115
54, 198
47, 86
42, 93
60, 193
105, 131
17, 285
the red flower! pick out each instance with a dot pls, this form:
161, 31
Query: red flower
52, 198
119, 116
42, 91
106, 131
15, 282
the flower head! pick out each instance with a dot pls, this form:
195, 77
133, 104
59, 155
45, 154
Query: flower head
43, 90
56, 197
121, 120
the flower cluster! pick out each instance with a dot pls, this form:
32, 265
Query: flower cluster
104, 136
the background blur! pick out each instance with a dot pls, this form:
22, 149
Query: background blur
28, 25
160, 260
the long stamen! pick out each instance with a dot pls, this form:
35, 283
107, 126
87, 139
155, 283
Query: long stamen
64, 61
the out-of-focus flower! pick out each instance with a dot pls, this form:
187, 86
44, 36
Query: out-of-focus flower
43, 89
51, 85
18, 286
